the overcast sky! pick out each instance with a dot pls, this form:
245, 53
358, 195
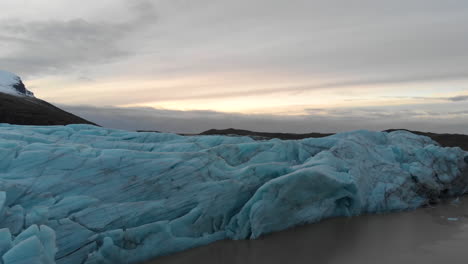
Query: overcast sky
323, 64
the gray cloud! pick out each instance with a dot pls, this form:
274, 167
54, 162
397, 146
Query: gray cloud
459, 98
393, 41
363, 39
376, 82
53, 46
427, 118
226, 48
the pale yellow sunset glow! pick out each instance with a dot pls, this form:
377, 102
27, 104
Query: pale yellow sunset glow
243, 95
393, 61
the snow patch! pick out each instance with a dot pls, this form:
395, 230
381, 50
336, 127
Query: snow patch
12, 84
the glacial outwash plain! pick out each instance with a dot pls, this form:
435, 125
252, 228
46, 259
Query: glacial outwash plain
85, 194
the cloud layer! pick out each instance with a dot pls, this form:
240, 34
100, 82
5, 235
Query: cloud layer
245, 56
34, 46
432, 118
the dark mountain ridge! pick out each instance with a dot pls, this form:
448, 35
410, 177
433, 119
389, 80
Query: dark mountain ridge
18, 106
32, 111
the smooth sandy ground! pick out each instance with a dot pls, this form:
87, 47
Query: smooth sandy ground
426, 235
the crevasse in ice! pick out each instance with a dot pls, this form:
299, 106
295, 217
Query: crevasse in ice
83, 194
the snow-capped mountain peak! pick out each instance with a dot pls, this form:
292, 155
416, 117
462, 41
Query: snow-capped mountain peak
11, 84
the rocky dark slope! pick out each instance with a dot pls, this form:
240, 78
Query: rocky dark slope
19, 106
25, 110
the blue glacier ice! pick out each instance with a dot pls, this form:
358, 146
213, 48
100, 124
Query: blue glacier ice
84, 194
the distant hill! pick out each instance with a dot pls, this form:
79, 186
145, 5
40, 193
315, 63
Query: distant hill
445, 140
19, 106
240, 132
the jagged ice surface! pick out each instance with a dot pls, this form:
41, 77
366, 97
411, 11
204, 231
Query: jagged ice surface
83, 194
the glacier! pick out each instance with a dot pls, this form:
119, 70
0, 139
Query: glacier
85, 194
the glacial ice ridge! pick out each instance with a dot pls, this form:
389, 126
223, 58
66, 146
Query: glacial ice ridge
84, 194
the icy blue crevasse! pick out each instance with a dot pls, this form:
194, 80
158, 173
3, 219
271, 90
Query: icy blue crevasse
83, 194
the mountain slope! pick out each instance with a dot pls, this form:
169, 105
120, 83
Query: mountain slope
19, 106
